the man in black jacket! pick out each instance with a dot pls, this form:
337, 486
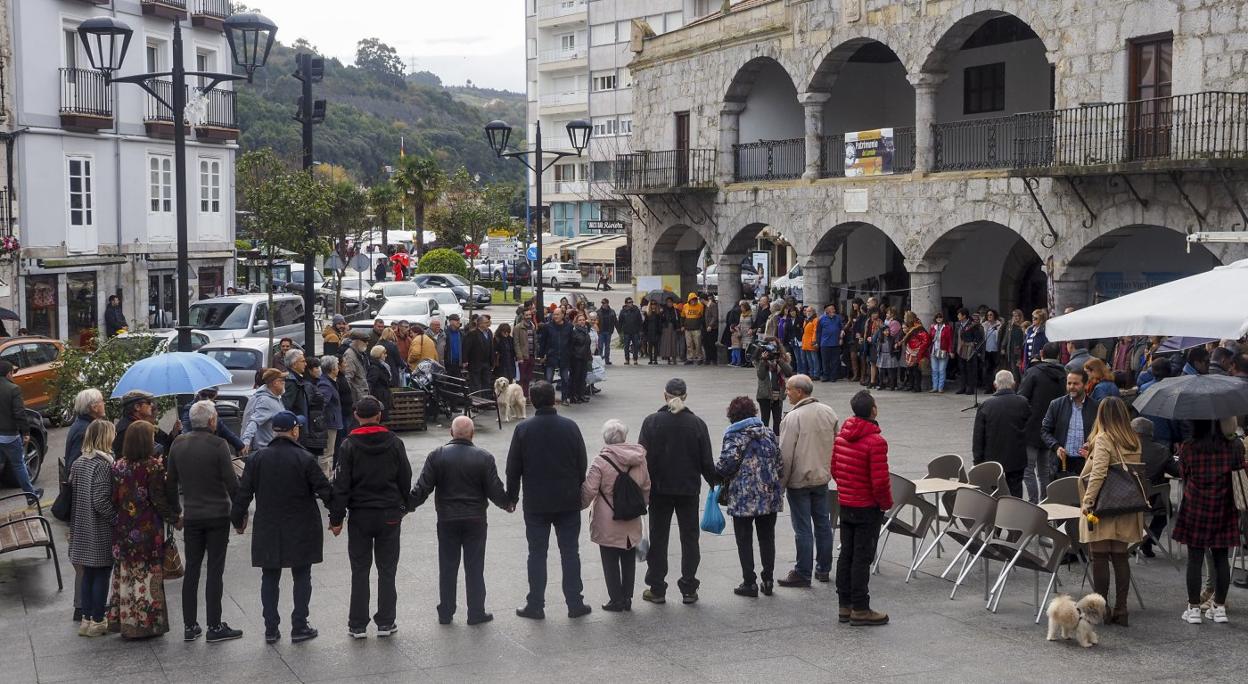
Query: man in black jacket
374, 482
629, 326
547, 456
285, 480
1001, 431
479, 354
606, 328
553, 347
1042, 383
465, 479
200, 462
141, 405
1066, 425
678, 453
15, 430
1158, 463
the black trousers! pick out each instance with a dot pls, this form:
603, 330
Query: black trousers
1014, 482
619, 569
710, 348
860, 531
200, 536
765, 527
373, 534
270, 592
1195, 574
771, 408
578, 370
567, 533
479, 377
969, 369
466, 538
662, 506
653, 348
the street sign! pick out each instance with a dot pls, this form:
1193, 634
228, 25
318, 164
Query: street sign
531, 254
471, 250
360, 262
604, 226
334, 262
501, 248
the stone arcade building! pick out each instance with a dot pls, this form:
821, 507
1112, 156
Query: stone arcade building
1043, 151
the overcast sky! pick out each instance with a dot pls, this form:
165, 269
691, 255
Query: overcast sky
481, 40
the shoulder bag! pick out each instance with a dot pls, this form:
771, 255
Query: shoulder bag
172, 559
1122, 491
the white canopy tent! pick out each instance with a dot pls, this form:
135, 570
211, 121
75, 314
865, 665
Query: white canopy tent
1210, 304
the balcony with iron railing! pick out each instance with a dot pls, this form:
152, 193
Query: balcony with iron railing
157, 115
561, 8
86, 100
220, 122
210, 14
767, 160
580, 187
665, 171
174, 10
900, 158
562, 55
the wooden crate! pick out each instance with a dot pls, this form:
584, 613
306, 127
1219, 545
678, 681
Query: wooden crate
407, 410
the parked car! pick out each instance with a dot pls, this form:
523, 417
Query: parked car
354, 291
242, 358
708, 278
151, 342
33, 357
558, 273
241, 316
35, 452
448, 301
413, 309
295, 285
791, 282
381, 292
509, 271
456, 284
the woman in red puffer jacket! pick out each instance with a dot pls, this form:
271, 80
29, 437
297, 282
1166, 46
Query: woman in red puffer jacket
860, 468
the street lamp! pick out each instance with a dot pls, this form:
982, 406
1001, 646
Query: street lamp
498, 133
106, 41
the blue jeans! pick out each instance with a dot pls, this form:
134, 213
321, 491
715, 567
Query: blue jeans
95, 591
807, 505
567, 531
939, 366
604, 346
831, 358
15, 455
565, 372
812, 362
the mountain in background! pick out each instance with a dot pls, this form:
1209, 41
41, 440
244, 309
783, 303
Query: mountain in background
369, 109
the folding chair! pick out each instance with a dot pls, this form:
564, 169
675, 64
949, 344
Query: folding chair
1063, 490
946, 467
1160, 494
971, 520
988, 476
1028, 523
904, 497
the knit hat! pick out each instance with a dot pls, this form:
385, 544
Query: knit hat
339, 318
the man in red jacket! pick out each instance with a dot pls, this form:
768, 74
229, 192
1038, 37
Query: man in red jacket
860, 468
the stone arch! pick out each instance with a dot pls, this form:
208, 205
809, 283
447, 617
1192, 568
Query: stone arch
743, 80
861, 84
675, 251
854, 258
1084, 262
831, 59
966, 18
987, 262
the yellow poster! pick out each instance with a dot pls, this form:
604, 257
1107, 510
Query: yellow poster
869, 153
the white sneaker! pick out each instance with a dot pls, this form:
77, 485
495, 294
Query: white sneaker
1192, 615
1217, 614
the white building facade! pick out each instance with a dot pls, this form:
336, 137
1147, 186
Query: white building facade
1018, 154
94, 167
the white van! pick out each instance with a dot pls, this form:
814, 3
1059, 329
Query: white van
240, 316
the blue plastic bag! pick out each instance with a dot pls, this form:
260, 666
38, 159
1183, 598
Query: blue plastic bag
712, 517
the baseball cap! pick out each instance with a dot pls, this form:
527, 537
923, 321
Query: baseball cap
286, 421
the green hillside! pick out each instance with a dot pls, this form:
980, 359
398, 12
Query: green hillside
369, 110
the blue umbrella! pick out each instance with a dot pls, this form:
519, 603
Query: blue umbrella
173, 373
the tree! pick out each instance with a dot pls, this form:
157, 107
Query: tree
442, 261
386, 203
280, 203
347, 223
374, 56
420, 180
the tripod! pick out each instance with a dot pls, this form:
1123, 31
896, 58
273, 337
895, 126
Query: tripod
975, 380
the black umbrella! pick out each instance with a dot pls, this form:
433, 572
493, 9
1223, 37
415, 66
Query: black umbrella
1195, 397
663, 296
8, 315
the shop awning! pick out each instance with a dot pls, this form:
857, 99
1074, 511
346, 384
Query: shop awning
602, 251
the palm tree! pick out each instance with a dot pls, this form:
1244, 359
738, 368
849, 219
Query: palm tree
420, 180
385, 201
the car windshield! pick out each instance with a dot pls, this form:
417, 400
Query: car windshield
398, 289
297, 277
235, 359
404, 306
211, 315
566, 267
455, 280
445, 298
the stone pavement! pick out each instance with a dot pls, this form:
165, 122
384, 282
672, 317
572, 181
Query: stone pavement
793, 635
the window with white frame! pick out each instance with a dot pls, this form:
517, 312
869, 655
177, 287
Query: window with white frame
625, 125
605, 126
624, 29
604, 80
160, 183
567, 42
626, 78
673, 21
81, 194
656, 23
602, 34
210, 186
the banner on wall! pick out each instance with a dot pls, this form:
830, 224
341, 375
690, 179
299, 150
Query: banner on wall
869, 153
761, 261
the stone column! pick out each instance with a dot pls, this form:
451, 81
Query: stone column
728, 273
729, 135
812, 103
924, 293
816, 281
925, 87
1068, 293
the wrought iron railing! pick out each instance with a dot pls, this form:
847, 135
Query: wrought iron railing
178, 4
664, 170
559, 9
903, 149
769, 160
975, 144
157, 110
6, 216
220, 112
832, 153
212, 8
83, 91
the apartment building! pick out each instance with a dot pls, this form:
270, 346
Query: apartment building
944, 153
93, 166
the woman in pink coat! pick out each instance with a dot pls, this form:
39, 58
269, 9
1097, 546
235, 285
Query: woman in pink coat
616, 539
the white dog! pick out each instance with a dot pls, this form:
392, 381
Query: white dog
1067, 618
510, 399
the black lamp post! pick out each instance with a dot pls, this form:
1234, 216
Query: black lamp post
499, 133
106, 40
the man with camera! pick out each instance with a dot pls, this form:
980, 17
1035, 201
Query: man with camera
773, 366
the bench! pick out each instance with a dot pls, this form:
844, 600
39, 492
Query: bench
28, 529
455, 390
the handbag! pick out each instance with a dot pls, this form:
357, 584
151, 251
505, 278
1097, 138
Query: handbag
63, 506
1122, 491
1239, 489
172, 559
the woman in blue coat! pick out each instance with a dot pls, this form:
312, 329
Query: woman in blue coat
751, 468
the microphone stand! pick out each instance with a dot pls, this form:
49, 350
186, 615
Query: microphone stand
975, 381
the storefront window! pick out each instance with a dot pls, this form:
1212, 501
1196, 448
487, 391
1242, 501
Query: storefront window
211, 282
82, 304
161, 300
41, 306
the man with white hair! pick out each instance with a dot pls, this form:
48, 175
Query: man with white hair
199, 461
807, 435
1001, 431
465, 479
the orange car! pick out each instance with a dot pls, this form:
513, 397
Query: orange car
33, 357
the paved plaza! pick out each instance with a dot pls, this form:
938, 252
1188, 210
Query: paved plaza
792, 636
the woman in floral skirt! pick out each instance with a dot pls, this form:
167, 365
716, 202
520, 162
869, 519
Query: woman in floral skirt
138, 607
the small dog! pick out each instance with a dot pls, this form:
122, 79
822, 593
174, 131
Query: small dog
1067, 618
510, 398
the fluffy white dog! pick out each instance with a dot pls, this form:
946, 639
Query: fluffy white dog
1068, 618
510, 399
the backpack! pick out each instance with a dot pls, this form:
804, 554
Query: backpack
628, 503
